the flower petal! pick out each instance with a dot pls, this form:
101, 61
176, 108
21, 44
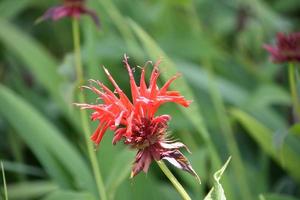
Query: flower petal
174, 145
134, 89
143, 160
93, 15
177, 159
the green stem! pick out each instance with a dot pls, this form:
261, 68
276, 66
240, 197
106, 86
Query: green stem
76, 43
83, 114
239, 168
4, 182
173, 180
293, 87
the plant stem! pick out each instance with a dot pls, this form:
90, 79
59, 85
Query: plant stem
83, 114
173, 180
239, 168
77, 51
4, 182
293, 87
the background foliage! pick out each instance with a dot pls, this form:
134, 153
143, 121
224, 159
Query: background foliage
242, 105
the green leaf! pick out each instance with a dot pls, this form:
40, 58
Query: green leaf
268, 18
30, 190
270, 94
286, 154
4, 182
217, 192
119, 172
268, 116
257, 102
63, 195
239, 96
10, 8
35, 57
295, 130
198, 78
275, 197
60, 159
120, 23
21, 168
146, 187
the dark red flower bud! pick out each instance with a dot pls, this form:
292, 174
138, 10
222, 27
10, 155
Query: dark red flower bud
287, 48
135, 121
70, 8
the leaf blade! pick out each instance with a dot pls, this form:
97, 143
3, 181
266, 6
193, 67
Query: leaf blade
31, 124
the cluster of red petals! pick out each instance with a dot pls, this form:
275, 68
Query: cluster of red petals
122, 115
135, 121
287, 48
70, 8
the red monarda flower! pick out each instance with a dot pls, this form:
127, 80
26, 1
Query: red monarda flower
135, 121
70, 8
287, 48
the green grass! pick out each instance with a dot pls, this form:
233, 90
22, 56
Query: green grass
4, 183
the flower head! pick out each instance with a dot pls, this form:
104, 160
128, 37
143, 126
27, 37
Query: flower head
70, 8
135, 122
287, 48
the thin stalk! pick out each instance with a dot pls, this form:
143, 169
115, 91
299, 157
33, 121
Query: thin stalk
293, 88
173, 180
4, 182
239, 168
77, 50
83, 114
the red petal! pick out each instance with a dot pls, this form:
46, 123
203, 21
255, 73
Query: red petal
167, 84
123, 97
118, 135
143, 85
153, 84
95, 134
101, 134
134, 88
142, 162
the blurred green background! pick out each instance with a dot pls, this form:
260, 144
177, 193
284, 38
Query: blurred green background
241, 101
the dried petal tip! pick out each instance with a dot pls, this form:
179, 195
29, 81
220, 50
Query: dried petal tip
132, 174
177, 159
69, 8
287, 48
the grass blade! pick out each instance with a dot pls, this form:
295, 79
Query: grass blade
48, 145
31, 190
285, 154
4, 182
36, 59
10, 8
119, 172
275, 197
217, 192
63, 195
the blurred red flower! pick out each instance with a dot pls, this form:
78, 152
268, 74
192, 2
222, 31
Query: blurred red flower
135, 121
287, 48
70, 8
